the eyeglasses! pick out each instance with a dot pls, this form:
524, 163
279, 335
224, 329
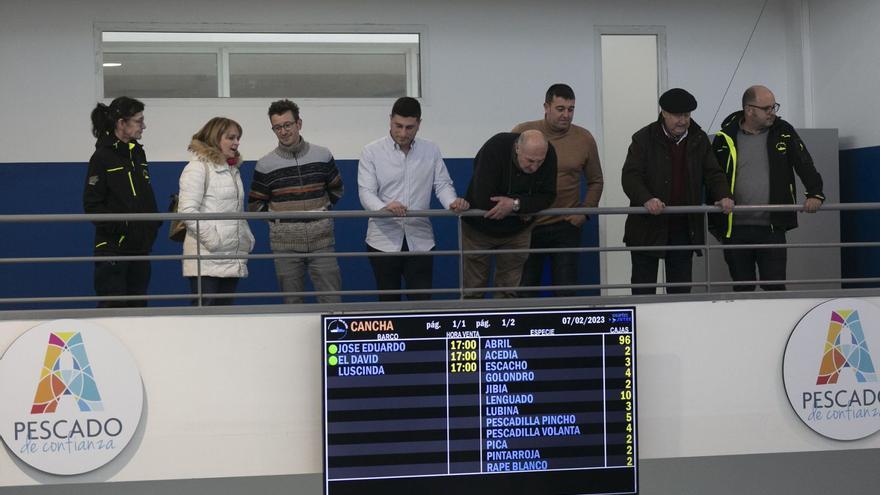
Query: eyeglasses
140, 122
769, 108
286, 126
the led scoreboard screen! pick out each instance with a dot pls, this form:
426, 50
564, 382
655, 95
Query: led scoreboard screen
512, 402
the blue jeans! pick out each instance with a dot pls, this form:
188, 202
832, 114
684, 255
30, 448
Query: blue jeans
214, 285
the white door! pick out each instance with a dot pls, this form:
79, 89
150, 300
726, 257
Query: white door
630, 66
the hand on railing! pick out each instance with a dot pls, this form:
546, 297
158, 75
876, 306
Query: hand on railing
812, 205
576, 220
655, 206
726, 205
397, 208
504, 206
459, 205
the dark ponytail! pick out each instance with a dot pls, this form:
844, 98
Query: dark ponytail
104, 117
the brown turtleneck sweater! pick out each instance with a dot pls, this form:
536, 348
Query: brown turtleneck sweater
577, 155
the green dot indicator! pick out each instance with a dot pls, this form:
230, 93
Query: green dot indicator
333, 349
333, 360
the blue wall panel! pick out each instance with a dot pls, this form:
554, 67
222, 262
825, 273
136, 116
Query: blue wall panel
57, 188
859, 180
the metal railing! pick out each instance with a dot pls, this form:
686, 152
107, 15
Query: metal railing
708, 285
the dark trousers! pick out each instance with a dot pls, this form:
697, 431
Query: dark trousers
563, 266
121, 278
678, 263
417, 271
771, 263
214, 285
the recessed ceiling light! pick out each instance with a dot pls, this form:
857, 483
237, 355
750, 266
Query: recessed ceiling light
112, 64
182, 37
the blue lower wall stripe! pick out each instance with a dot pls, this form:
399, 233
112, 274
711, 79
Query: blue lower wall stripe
859, 181
33, 188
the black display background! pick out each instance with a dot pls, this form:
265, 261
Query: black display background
415, 329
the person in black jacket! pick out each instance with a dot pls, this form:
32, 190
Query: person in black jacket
669, 163
118, 181
514, 174
760, 153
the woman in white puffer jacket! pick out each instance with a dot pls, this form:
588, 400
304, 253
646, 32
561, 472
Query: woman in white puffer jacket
211, 183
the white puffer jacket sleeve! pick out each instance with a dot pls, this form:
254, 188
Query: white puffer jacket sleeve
193, 181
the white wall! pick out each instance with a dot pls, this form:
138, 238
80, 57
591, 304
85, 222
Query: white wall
630, 85
223, 396
229, 396
846, 69
487, 66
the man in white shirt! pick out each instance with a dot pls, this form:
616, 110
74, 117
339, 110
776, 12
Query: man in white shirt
397, 173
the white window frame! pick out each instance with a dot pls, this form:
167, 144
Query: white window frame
416, 66
165, 48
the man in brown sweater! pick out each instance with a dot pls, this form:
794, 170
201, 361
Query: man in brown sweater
577, 157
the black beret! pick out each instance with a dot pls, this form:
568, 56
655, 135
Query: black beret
677, 100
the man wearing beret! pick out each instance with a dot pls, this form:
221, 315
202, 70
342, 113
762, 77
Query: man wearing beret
668, 164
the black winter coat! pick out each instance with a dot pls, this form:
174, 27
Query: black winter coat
497, 174
647, 173
118, 181
787, 156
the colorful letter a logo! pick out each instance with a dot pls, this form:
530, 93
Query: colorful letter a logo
852, 352
76, 380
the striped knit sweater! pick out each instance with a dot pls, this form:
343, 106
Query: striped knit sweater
302, 177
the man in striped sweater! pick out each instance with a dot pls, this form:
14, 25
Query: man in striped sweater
298, 176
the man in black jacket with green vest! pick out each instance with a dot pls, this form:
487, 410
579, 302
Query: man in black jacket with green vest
669, 163
760, 153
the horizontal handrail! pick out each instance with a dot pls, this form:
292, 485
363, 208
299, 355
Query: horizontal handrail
333, 214
317, 215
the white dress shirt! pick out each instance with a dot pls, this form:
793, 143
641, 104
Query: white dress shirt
386, 174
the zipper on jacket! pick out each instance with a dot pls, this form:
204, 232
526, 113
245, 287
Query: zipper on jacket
238, 200
133, 167
130, 181
239, 193
731, 162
